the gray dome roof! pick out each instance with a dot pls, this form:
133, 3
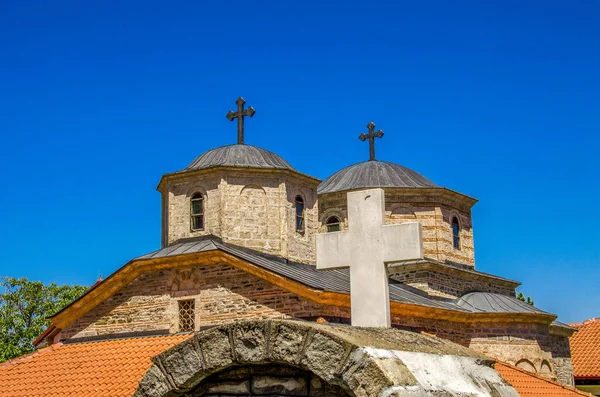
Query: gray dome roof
373, 174
239, 156
488, 302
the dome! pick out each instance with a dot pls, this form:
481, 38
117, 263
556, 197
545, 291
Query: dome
239, 156
371, 174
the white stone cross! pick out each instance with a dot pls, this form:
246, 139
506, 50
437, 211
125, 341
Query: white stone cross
367, 246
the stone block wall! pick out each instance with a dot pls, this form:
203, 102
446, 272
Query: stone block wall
433, 212
223, 294
445, 285
248, 208
267, 380
526, 345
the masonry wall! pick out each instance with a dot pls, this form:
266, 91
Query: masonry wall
248, 208
528, 346
434, 214
444, 285
224, 294
221, 294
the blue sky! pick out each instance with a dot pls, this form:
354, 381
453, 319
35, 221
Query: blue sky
499, 101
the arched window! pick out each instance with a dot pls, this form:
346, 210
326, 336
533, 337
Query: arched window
455, 233
333, 224
299, 214
197, 212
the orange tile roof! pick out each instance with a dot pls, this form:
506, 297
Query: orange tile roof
532, 385
585, 349
113, 368
104, 368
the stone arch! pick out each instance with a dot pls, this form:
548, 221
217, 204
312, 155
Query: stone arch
402, 212
545, 369
357, 362
526, 365
338, 213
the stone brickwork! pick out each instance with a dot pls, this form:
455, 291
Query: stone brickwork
248, 208
313, 359
224, 294
433, 210
267, 380
529, 346
447, 285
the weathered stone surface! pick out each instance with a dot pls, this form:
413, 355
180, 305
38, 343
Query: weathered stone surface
368, 361
324, 355
250, 342
154, 383
216, 348
230, 387
183, 363
370, 377
279, 385
287, 341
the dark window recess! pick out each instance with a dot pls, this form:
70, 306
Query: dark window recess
186, 316
456, 233
197, 212
299, 214
333, 224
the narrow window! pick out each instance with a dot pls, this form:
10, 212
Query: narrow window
333, 224
299, 214
455, 233
197, 212
186, 316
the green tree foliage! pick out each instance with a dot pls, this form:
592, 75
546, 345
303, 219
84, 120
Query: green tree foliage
24, 307
521, 297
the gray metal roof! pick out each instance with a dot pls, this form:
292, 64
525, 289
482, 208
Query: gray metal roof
239, 156
339, 280
373, 174
488, 302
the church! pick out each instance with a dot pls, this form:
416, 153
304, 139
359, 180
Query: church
246, 276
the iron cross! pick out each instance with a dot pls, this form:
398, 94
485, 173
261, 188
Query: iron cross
371, 136
240, 114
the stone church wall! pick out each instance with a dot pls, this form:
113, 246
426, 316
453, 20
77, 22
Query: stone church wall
222, 294
253, 209
444, 285
434, 214
529, 346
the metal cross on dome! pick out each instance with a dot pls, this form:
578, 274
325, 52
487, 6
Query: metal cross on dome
371, 136
240, 114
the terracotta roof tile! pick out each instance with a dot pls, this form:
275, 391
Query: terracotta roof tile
532, 385
104, 368
113, 368
585, 349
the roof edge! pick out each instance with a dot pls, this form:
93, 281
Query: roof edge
185, 172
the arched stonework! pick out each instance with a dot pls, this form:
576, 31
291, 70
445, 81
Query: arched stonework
526, 365
402, 212
545, 369
266, 380
361, 362
184, 282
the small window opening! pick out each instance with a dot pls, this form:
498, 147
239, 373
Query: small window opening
455, 233
186, 316
333, 224
299, 214
197, 212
